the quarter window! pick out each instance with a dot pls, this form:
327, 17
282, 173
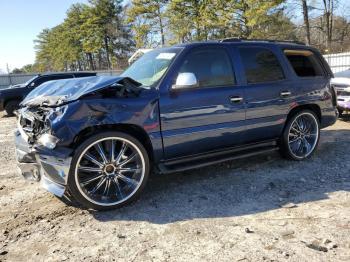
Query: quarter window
212, 67
260, 65
304, 62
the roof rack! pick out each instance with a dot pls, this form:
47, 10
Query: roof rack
239, 39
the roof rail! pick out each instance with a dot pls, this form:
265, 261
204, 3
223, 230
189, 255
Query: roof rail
239, 39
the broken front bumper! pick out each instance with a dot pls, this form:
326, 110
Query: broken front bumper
50, 167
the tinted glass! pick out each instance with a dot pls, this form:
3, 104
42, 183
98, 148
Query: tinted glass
260, 65
212, 67
40, 80
60, 77
304, 62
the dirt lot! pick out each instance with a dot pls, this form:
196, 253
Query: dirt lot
259, 209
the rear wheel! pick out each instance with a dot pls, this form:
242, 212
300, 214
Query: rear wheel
301, 135
108, 171
11, 106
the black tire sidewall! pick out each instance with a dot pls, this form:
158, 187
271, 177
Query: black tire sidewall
11, 106
285, 149
71, 183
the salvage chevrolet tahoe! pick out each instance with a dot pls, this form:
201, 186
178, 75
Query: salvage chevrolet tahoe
174, 109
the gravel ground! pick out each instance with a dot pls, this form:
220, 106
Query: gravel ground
263, 208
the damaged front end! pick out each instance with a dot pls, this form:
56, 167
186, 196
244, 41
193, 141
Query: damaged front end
36, 159
52, 115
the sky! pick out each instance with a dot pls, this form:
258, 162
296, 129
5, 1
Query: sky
21, 21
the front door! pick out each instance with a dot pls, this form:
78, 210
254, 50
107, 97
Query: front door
208, 117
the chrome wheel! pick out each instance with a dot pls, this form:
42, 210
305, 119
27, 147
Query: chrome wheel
303, 135
110, 171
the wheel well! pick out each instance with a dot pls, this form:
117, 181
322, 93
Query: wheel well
312, 107
129, 129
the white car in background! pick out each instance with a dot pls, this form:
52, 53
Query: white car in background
341, 83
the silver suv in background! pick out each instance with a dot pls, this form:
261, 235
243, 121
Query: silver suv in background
341, 83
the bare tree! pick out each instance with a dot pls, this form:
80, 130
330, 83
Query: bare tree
306, 21
328, 13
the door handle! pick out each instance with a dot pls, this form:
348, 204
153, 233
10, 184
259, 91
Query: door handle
285, 93
236, 99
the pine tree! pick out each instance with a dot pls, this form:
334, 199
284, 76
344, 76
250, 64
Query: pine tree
147, 17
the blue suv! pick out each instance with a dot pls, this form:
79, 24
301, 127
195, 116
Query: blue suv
187, 106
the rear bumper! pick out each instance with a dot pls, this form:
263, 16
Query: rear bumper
48, 167
329, 116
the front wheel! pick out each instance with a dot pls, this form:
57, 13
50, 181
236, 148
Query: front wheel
108, 170
301, 135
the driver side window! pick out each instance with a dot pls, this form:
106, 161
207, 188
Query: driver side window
211, 66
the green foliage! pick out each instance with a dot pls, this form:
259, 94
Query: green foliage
198, 20
102, 34
148, 19
93, 36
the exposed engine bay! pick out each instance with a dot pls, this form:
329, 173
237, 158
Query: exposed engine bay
33, 121
48, 101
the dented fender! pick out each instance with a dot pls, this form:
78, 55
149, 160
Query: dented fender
71, 119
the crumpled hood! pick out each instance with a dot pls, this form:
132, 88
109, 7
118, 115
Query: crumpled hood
58, 92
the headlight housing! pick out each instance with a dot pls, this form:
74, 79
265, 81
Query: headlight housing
48, 141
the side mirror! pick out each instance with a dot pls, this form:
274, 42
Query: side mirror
185, 80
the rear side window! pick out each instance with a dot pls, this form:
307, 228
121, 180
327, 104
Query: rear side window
260, 65
212, 67
304, 62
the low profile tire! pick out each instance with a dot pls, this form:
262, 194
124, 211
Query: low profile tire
300, 136
11, 106
108, 170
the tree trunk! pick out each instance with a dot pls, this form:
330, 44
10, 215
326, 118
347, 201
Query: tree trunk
306, 21
197, 17
328, 15
161, 26
107, 52
246, 29
91, 62
79, 65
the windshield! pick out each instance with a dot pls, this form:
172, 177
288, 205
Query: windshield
150, 67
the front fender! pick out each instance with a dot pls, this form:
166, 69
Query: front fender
71, 119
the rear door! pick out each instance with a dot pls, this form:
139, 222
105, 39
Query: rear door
310, 75
204, 118
268, 91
